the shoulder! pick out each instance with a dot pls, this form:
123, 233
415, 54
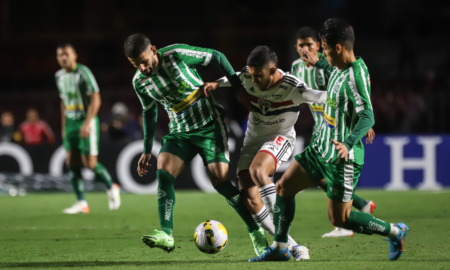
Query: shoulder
84, 70
297, 62
136, 78
59, 73
174, 48
291, 80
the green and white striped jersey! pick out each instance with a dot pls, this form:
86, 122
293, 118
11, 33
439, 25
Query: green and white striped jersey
348, 93
74, 89
175, 84
316, 79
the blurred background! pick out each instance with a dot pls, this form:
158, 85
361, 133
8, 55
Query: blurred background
403, 43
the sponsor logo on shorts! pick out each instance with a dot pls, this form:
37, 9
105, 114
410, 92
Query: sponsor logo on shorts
161, 194
215, 149
279, 140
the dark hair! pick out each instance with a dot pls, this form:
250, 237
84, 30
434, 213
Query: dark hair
135, 45
66, 44
335, 31
262, 56
306, 32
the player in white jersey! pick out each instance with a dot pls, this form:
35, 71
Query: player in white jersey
270, 136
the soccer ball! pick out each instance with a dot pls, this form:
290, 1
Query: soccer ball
210, 237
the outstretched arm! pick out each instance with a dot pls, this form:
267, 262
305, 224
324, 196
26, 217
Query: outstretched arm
149, 118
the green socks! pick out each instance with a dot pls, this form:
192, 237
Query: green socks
367, 224
101, 173
358, 202
283, 214
233, 196
166, 200
77, 183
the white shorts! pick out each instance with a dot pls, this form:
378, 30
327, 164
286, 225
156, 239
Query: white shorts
279, 147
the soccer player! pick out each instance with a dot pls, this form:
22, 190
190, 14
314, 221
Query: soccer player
169, 76
270, 136
305, 68
80, 102
337, 153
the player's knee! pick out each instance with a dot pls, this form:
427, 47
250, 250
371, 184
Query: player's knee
91, 165
257, 173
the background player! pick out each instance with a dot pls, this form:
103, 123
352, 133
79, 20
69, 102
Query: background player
80, 102
304, 68
270, 136
168, 75
337, 153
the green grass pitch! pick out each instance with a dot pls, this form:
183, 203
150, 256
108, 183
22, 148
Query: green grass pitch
35, 234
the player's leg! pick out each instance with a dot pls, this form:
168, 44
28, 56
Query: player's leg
73, 163
340, 214
359, 203
218, 173
263, 165
172, 159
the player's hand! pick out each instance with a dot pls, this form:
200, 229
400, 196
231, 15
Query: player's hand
370, 136
208, 87
244, 98
84, 131
342, 149
310, 58
143, 164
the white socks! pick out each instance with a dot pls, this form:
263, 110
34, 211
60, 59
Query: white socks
269, 196
394, 231
264, 221
279, 245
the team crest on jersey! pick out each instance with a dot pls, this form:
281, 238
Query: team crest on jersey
264, 105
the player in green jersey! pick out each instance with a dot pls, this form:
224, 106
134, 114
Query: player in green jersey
337, 153
80, 102
169, 76
304, 68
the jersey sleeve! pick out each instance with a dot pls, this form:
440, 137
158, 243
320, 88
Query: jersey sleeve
327, 69
223, 82
190, 55
91, 83
146, 101
305, 94
358, 90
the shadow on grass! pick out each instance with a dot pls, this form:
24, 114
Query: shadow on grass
105, 263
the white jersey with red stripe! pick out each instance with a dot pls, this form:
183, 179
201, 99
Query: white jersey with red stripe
276, 108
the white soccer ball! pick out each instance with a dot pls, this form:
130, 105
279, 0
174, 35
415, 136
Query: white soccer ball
210, 237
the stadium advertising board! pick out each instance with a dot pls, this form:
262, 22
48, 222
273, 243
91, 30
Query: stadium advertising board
392, 162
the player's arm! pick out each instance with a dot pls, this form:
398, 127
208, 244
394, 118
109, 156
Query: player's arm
308, 95
202, 56
92, 111
149, 120
359, 97
93, 92
63, 119
319, 62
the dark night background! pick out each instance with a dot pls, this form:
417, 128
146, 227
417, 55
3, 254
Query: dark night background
404, 44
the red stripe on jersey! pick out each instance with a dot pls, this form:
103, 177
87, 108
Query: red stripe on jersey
273, 105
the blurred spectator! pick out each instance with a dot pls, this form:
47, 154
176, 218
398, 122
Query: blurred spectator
121, 125
7, 133
34, 130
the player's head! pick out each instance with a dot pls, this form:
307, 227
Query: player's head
307, 39
32, 115
142, 55
337, 37
262, 64
66, 56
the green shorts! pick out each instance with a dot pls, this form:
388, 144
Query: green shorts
341, 178
73, 141
210, 141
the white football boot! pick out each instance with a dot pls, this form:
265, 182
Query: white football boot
114, 197
338, 232
78, 207
368, 208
